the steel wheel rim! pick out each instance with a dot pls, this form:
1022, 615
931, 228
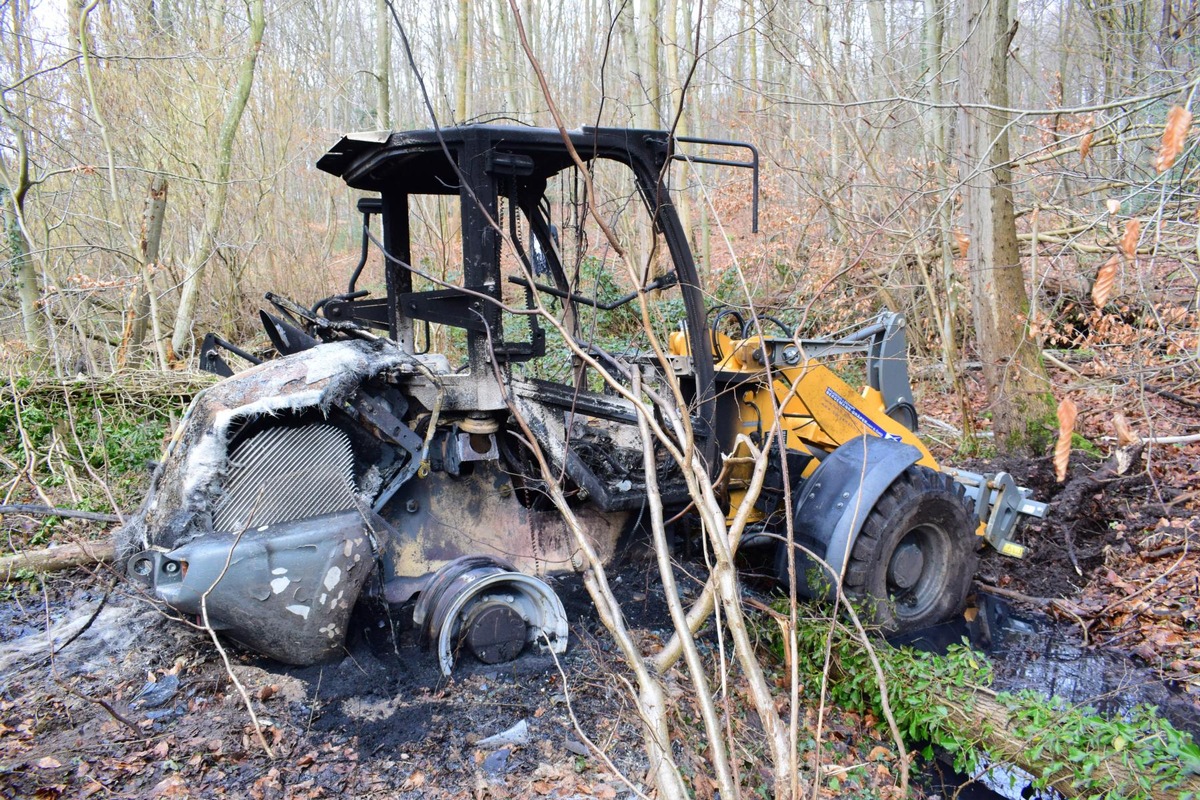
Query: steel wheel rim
914, 594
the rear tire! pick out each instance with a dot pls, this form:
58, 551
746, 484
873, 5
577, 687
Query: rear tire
916, 553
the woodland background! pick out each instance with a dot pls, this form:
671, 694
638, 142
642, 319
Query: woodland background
220, 109
1019, 179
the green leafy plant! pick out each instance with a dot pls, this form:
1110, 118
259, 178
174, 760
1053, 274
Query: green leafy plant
99, 433
933, 697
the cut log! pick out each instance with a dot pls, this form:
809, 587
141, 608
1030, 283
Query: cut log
1055, 742
54, 559
1003, 744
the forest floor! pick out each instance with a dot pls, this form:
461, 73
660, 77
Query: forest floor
125, 703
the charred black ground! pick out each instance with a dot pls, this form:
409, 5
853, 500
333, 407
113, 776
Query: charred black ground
383, 719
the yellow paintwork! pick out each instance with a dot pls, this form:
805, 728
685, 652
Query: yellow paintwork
817, 409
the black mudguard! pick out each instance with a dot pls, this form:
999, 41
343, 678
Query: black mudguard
831, 505
285, 590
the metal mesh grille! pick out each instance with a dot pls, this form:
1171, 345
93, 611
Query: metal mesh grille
284, 474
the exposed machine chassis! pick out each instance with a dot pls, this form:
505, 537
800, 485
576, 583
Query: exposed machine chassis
352, 464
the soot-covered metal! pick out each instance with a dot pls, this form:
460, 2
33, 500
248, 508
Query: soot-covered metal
355, 462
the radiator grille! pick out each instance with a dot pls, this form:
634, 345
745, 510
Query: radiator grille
284, 474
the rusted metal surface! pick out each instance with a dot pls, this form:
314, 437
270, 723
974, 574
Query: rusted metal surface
441, 518
364, 454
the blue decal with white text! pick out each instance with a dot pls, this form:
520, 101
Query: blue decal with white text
861, 417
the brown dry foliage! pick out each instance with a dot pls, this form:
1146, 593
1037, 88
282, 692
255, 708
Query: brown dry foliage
962, 242
1085, 146
1129, 241
1067, 412
1105, 278
1125, 432
1179, 121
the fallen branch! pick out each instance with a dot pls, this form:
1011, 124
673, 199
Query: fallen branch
51, 511
1013, 594
1006, 739
55, 559
1064, 366
1178, 398
1188, 439
1174, 549
107, 706
120, 385
944, 700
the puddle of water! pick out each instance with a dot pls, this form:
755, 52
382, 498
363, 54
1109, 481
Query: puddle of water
991, 782
1029, 652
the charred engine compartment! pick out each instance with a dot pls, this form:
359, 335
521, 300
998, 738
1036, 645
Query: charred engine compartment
354, 462
298, 487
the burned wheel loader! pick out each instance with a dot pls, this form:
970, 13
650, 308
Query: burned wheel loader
383, 451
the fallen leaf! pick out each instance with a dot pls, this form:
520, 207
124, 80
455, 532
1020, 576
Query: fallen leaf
1105, 279
1125, 433
172, 786
1085, 146
1179, 120
1133, 229
267, 692
880, 753
48, 762
604, 791
1146, 652
962, 242
1067, 412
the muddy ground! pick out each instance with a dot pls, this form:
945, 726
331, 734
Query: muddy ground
1118, 557
136, 705
383, 721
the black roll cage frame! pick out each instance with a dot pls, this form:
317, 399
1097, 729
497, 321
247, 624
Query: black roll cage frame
487, 162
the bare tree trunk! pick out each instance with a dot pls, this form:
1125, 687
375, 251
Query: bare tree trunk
26, 275
676, 106
85, 65
185, 316
512, 97
627, 24
141, 306
464, 58
1015, 378
939, 154
651, 71
17, 182
383, 66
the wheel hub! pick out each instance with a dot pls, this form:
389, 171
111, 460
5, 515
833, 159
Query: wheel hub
908, 561
495, 631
